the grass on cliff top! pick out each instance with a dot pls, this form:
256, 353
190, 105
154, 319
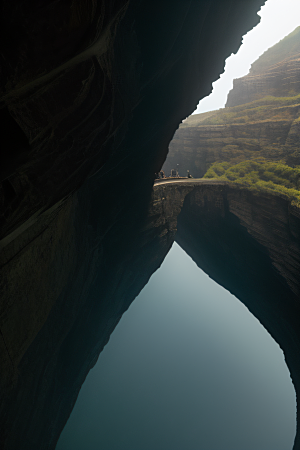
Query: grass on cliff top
266, 108
259, 176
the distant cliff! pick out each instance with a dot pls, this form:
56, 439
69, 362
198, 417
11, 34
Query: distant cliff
275, 73
261, 120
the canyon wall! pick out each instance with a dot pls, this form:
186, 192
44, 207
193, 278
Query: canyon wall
91, 95
197, 145
275, 73
260, 120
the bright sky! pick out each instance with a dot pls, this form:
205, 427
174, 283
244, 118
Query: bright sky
278, 19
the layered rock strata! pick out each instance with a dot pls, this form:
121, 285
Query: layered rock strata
275, 73
197, 145
77, 89
91, 94
260, 120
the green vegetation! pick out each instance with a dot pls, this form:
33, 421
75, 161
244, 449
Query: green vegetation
254, 144
262, 175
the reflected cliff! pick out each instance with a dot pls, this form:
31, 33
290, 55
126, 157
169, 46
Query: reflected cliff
187, 367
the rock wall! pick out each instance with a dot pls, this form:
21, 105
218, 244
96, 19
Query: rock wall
275, 73
81, 110
91, 95
198, 142
281, 80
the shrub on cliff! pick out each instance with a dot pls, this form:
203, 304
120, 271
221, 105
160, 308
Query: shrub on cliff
261, 176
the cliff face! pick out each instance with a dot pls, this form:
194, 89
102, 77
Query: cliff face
91, 94
197, 145
77, 87
260, 119
275, 73
280, 80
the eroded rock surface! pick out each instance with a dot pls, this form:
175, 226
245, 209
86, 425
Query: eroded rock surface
78, 87
275, 73
91, 95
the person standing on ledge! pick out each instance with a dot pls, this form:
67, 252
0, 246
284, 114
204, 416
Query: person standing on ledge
188, 174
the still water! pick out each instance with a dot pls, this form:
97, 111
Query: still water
187, 368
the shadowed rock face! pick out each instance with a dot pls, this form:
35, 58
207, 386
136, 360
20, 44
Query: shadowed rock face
79, 87
92, 94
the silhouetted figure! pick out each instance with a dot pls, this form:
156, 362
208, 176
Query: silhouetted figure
174, 173
188, 174
162, 174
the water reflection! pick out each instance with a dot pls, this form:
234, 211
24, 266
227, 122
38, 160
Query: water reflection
188, 367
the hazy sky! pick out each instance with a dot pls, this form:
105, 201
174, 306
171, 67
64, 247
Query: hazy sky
187, 368
278, 19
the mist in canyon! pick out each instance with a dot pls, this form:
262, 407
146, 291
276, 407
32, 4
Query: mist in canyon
188, 366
